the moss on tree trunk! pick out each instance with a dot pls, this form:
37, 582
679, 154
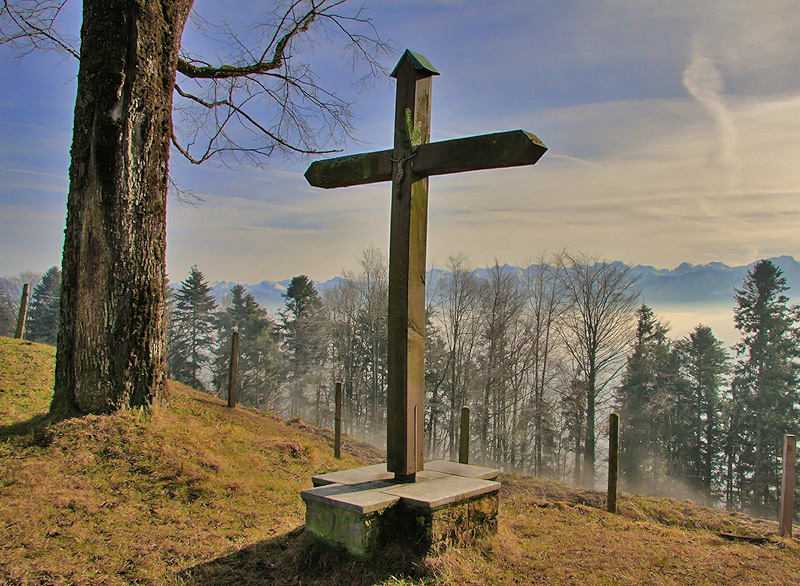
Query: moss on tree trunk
111, 339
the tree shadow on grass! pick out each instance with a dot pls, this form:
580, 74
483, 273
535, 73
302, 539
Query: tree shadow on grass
34, 431
37, 431
297, 558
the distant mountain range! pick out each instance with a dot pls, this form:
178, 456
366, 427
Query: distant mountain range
712, 283
687, 284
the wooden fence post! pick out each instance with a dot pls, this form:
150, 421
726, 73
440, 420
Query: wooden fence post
787, 485
463, 443
337, 422
23, 310
613, 462
233, 375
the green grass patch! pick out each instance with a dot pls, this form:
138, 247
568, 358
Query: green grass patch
26, 379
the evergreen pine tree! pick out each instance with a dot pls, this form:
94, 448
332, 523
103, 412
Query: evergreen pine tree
43, 309
301, 325
193, 330
704, 363
259, 366
764, 401
647, 402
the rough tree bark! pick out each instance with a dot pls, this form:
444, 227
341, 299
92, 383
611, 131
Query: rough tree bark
111, 346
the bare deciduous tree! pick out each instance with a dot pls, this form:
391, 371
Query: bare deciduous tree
341, 306
357, 315
545, 305
455, 302
111, 341
501, 307
373, 288
597, 329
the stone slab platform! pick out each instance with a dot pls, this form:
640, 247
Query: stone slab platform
433, 469
440, 492
363, 508
363, 498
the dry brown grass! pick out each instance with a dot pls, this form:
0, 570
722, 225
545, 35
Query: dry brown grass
138, 497
196, 494
554, 534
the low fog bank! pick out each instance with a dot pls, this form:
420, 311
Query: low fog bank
683, 318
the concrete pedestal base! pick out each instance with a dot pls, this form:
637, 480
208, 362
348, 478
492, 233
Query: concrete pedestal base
364, 509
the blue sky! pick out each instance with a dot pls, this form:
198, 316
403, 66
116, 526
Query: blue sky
673, 128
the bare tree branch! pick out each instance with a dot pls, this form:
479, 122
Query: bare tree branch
234, 109
226, 71
31, 25
186, 196
260, 97
275, 100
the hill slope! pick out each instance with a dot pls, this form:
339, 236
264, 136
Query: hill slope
194, 493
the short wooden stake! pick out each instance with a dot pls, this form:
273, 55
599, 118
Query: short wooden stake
337, 422
23, 310
787, 485
613, 462
233, 375
463, 444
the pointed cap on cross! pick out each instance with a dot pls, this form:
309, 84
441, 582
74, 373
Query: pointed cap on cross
418, 61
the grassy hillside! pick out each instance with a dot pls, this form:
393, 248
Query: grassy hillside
195, 494
26, 379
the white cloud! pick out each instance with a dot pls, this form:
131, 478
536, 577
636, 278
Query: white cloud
704, 81
683, 319
316, 232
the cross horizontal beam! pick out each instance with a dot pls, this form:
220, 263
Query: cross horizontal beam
488, 151
351, 170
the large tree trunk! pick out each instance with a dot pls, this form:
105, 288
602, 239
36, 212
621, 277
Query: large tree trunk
111, 340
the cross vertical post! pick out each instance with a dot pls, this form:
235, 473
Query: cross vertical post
409, 227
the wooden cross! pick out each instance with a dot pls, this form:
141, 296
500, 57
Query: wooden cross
408, 167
